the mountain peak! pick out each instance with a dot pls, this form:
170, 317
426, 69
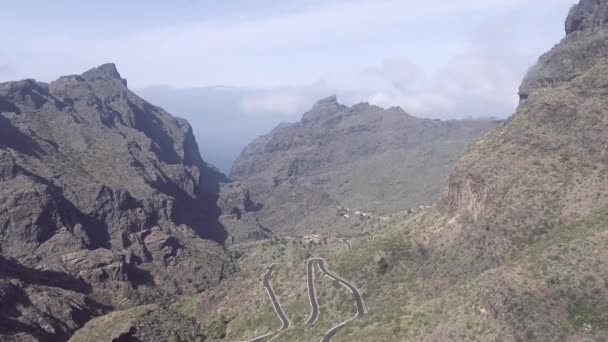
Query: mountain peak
107, 71
321, 109
330, 101
587, 15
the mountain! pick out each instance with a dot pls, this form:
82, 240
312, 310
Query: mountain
362, 157
106, 203
109, 217
514, 249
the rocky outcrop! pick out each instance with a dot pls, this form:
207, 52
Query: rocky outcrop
364, 157
546, 126
100, 185
584, 46
588, 15
145, 323
240, 214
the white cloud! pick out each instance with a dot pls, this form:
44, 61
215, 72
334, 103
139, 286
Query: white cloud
460, 56
287, 101
470, 84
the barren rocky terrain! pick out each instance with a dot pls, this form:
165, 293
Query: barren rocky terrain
105, 203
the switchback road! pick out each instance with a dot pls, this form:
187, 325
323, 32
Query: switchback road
312, 296
314, 307
275, 304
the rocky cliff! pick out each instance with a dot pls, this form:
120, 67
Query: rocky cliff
363, 157
105, 203
546, 166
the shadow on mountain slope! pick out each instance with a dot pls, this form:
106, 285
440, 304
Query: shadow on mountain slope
12, 138
11, 269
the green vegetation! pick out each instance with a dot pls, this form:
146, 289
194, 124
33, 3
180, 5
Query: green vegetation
187, 306
407, 300
217, 328
589, 317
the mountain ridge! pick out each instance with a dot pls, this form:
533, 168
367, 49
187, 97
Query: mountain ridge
362, 157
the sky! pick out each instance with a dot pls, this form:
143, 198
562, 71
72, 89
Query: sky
440, 59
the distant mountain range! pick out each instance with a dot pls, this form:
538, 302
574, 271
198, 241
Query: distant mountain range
362, 157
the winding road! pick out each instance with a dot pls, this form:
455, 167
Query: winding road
356, 295
329, 335
275, 304
312, 296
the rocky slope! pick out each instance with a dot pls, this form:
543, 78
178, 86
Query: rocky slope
105, 203
362, 157
515, 250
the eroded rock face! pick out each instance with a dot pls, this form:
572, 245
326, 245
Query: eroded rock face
100, 185
42, 305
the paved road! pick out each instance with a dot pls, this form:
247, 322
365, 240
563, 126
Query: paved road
356, 295
329, 335
275, 304
275, 301
312, 296
263, 338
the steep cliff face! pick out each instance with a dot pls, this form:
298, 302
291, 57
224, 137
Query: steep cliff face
103, 187
362, 157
